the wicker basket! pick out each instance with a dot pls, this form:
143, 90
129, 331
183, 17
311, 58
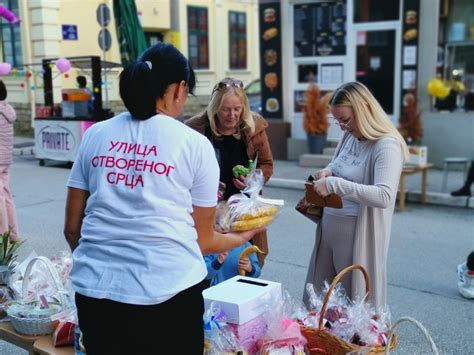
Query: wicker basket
40, 324
391, 333
322, 341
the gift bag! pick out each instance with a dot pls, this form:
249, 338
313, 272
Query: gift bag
63, 332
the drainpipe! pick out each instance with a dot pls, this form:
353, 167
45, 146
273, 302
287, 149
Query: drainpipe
174, 25
25, 30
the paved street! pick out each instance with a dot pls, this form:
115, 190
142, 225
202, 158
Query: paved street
427, 243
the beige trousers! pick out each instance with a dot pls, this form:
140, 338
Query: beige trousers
7, 206
333, 253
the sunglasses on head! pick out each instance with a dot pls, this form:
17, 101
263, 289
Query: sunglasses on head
228, 83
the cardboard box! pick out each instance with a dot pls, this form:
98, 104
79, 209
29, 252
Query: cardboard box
418, 155
242, 298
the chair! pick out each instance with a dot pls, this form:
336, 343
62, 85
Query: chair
453, 161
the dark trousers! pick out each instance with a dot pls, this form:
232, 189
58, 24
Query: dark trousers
111, 327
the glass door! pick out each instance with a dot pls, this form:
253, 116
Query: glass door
375, 44
375, 65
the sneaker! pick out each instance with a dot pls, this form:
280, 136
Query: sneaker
465, 281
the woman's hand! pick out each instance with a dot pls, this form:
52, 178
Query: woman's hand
322, 174
222, 256
239, 183
247, 235
221, 191
244, 264
320, 187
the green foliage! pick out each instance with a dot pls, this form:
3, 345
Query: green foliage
8, 248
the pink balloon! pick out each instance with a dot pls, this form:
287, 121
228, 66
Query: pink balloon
5, 68
8, 15
63, 65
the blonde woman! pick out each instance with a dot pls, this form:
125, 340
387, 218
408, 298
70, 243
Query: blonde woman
237, 135
365, 172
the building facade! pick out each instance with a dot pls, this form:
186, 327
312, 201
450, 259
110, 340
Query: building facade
216, 35
396, 48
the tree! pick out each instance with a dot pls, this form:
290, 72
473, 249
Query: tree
315, 111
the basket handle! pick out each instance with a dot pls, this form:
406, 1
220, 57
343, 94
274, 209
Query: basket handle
427, 335
333, 286
52, 271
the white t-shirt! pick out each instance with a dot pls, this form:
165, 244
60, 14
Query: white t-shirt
138, 242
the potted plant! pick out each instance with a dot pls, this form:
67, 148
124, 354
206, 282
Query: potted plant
315, 121
8, 255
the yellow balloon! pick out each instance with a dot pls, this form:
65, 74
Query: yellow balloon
458, 86
443, 92
434, 86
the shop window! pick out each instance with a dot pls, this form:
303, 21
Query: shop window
198, 37
320, 29
10, 37
237, 40
153, 38
459, 51
376, 10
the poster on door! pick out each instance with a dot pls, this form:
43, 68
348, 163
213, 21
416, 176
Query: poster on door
410, 40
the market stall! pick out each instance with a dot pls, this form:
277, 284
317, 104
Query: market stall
59, 128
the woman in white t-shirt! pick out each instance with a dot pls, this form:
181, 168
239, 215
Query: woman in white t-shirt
139, 216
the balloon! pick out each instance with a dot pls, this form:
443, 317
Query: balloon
443, 92
5, 68
8, 15
63, 65
437, 88
433, 86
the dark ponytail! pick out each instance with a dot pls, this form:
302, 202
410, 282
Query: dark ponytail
148, 78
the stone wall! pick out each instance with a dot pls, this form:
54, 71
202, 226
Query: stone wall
23, 119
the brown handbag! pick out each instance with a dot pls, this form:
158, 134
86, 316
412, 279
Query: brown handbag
312, 204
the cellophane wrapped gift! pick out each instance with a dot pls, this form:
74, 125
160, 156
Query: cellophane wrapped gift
247, 209
219, 338
64, 328
40, 282
283, 334
356, 321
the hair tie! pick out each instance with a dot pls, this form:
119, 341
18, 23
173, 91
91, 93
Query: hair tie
148, 63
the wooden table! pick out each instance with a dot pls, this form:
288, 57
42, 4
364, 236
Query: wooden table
35, 345
44, 346
410, 170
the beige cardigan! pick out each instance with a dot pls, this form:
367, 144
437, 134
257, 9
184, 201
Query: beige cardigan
377, 196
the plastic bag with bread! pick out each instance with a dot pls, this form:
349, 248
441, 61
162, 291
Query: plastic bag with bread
247, 209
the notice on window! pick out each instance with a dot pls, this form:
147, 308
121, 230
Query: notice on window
409, 79
331, 74
409, 55
375, 63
